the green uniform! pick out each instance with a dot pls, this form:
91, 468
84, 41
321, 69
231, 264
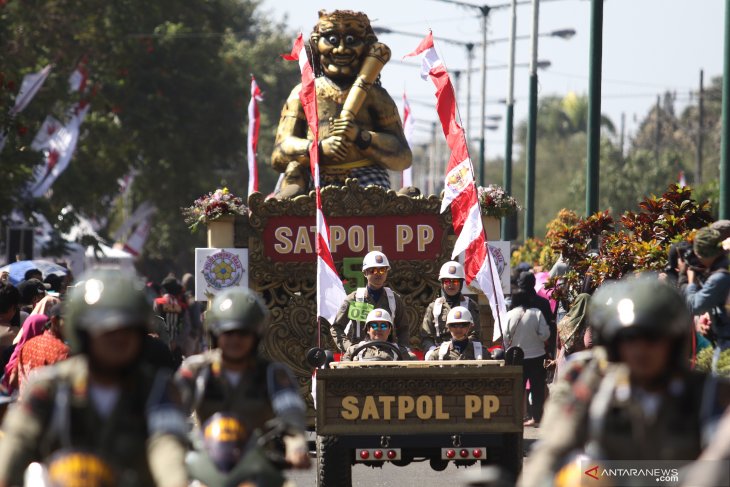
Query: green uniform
447, 351
593, 407
263, 393
142, 437
433, 328
373, 353
345, 331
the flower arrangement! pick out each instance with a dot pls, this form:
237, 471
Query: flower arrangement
212, 206
495, 202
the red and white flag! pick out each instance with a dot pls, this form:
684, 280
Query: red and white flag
408, 127
135, 242
254, 122
681, 182
58, 151
45, 133
77, 80
330, 292
460, 191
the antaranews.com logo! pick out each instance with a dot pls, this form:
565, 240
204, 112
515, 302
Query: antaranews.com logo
665, 473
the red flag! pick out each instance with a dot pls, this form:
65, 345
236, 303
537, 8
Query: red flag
408, 127
254, 122
330, 292
460, 192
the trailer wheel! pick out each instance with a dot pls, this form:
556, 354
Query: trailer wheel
334, 466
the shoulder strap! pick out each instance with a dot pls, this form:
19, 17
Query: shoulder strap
391, 301
465, 302
444, 349
360, 294
438, 305
477, 350
511, 332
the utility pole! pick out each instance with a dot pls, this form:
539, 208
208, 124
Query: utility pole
594, 108
532, 130
482, 140
507, 230
657, 130
724, 173
700, 129
469, 62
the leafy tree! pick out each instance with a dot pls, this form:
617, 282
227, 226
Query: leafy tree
170, 81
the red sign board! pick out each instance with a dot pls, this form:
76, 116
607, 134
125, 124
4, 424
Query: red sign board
415, 237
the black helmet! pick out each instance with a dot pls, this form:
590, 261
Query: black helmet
106, 300
238, 309
638, 306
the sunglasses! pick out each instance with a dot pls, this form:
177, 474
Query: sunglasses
453, 282
380, 326
378, 270
459, 325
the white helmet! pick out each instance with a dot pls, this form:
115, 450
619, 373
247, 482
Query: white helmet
459, 314
379, 314
374, 259
451, 270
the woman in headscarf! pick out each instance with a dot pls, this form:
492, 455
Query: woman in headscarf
44, 306
32, 327
573, 333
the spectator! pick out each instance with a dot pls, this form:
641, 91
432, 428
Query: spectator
172, 307
572, 331
527, 328
711, 295
45, 305
44, 349
195, 332
31, 292
11, 317
32, 327
55, 282
526, 284
33, 274
722, 226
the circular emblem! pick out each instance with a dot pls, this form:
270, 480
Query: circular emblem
499, 259
379, 314
452, 269
222, 269
457, 315
379, 259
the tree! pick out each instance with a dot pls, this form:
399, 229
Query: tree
170, 82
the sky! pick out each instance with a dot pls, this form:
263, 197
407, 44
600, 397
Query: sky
649, 47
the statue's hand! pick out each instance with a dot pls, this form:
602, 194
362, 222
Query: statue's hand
335, 147
344, 128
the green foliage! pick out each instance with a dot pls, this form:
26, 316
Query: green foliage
528, 252
704, 362
640, 243
171, 82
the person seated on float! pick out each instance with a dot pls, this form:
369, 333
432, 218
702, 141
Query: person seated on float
460, 323
378, 346
433, 328
365, 147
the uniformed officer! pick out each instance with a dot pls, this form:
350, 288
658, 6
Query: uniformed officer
433, 329
643, 403
348, 325
233, 379
380, 326
459, 323
105, 400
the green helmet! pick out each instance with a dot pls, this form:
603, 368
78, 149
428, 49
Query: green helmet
238, 309
106, 300
638, 306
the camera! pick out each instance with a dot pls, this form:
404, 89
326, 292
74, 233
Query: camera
688, 255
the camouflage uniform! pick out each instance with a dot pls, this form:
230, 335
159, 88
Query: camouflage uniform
143, 438
372, 353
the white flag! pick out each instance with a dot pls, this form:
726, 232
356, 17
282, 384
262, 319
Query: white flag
60, 149
408, 127
28, 89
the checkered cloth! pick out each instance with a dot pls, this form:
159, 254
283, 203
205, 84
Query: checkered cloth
366, 176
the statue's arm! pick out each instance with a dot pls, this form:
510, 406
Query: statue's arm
291, 143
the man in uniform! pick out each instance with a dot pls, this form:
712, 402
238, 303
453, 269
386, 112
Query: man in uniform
104, 400
232, 379
379, 326
643, 403
433, 329
363, 148
459, 323
348, 325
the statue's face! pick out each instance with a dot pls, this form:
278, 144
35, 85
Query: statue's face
341, 47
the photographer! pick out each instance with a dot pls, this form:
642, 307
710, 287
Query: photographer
710, 295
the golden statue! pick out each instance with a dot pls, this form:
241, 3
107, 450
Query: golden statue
360, 130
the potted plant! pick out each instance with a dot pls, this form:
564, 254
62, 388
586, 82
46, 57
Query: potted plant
216, 210
495, 203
